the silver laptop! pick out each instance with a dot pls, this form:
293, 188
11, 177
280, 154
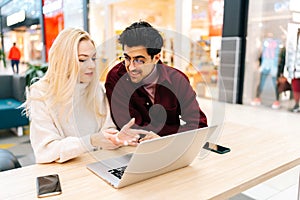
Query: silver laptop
152, 158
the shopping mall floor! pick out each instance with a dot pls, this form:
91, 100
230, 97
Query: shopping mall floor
283, 186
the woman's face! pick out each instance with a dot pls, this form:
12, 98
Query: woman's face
87, 61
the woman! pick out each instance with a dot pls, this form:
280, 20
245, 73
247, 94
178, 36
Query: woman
68, 107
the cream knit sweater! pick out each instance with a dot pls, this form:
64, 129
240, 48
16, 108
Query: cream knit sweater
61, 138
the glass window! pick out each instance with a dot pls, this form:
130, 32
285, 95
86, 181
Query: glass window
268, 31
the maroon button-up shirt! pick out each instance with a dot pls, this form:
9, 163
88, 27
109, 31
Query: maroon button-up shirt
175, 108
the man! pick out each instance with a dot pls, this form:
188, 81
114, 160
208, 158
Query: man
159, 97
14, 55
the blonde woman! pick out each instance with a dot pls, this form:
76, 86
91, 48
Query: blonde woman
68, 107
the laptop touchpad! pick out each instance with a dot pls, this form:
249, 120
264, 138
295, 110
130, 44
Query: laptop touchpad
118, 161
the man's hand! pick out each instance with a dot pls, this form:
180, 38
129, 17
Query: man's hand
148, 136
126, 136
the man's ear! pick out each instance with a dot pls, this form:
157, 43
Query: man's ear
156, 58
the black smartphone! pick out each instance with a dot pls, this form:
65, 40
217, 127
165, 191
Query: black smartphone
216, 148
48, 185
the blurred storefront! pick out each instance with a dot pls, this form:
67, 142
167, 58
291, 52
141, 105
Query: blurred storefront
109, 18
20, 24
272, 25
206, 33
60, 14
34, 24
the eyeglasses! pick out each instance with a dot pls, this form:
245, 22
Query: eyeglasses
136, 61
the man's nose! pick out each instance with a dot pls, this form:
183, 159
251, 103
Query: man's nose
131, 66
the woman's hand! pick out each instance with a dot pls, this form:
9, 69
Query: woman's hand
113, 136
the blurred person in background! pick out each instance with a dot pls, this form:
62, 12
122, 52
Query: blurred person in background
268, 63
14, 55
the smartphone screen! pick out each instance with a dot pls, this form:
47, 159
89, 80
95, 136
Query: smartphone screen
216, 148
48, 185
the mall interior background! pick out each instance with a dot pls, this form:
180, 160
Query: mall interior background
198, 24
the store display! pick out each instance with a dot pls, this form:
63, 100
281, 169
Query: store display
202, 71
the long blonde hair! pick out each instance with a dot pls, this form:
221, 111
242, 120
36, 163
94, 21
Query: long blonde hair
63, 71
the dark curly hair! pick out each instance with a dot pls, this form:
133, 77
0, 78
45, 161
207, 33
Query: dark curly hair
142, 34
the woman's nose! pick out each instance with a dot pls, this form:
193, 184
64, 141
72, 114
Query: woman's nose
91, 63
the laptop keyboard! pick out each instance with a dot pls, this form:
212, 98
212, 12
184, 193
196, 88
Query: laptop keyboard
118, 172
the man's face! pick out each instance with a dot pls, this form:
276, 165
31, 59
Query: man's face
138, 63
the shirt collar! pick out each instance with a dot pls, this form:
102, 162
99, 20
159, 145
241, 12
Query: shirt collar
162, 72
152, 77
